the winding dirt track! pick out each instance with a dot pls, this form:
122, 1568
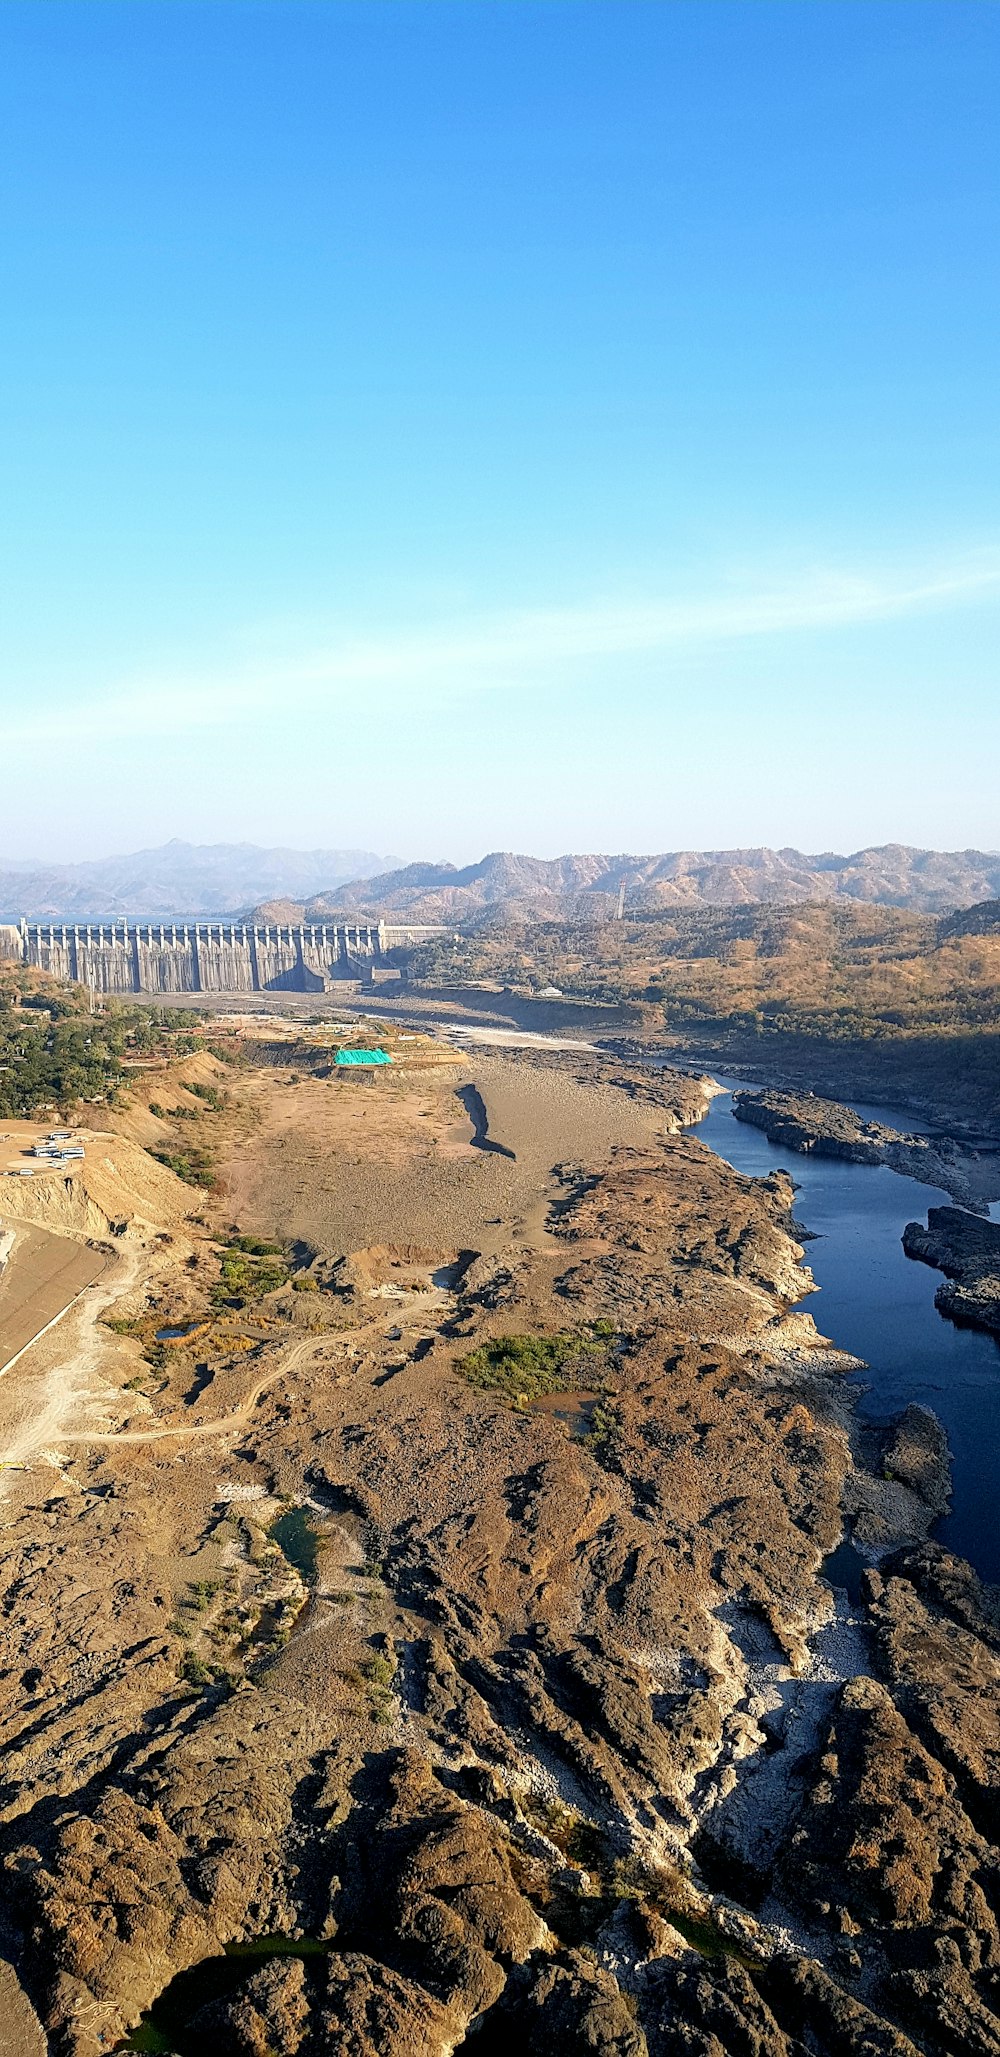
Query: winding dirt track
240, 1415
237, 1419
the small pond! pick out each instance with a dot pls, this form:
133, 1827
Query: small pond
298, 1539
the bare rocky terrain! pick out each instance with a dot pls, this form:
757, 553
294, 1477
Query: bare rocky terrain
417, 1628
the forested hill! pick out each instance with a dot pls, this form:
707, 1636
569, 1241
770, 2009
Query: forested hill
840, 969
865, 1002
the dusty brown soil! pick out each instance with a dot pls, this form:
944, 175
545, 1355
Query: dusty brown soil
388, 1158
41, 1278
560, 1741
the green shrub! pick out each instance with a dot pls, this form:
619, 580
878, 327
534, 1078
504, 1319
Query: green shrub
604, 1435
249, 1273
194, 1671
193, 1166
211, 1096
527, 1367
379, 1671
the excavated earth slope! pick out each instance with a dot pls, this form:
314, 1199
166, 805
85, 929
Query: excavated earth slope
537, 1725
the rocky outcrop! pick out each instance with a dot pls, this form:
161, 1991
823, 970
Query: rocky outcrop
885, 1846
21, 2033
910, 1488
939, 1643
968, 1252
573, 1746
807, 1123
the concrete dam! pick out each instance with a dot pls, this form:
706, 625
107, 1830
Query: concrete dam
209, 956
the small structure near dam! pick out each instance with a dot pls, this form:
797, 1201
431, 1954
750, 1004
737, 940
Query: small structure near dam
208, 956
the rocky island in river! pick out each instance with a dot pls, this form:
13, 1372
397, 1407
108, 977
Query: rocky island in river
421, 1623
806, 1122
968, 1252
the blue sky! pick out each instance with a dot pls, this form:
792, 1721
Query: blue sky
499, 423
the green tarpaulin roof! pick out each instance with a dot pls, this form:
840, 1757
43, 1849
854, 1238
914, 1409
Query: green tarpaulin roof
363, 1057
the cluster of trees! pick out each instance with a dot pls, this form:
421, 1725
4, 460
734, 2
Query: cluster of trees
53, 1051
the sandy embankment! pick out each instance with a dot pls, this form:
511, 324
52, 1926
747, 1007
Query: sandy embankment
78, 1236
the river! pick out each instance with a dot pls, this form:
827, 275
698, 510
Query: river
879, 1304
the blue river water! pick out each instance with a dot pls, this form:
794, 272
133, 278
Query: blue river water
879, 1304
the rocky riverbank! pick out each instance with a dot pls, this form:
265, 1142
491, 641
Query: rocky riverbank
968, 1252
805, 1122
562, 1730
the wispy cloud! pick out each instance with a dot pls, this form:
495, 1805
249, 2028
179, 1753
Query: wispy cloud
540, 647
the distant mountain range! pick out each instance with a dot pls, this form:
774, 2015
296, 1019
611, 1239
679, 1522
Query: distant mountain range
589, 887
212, 879
198, 879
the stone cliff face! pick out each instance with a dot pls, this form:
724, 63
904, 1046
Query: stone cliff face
573, 1747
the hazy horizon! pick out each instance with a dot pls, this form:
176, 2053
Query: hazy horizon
572, 426
467, 859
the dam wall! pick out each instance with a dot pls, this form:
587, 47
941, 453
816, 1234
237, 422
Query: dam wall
207, 957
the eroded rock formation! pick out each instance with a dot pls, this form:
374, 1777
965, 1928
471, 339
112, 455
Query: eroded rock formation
572, 1746
968, 1252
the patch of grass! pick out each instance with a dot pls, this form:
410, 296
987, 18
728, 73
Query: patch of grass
379, 1671
249, 1269
525, 1368
579, 1839
375, 1675
704, 1935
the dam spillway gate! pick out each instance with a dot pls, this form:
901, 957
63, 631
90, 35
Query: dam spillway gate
210, 956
